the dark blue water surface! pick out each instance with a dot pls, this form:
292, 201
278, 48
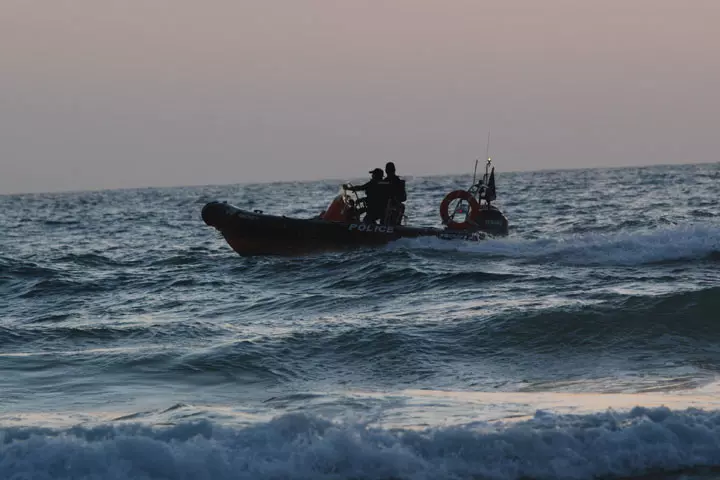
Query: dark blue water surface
134, 343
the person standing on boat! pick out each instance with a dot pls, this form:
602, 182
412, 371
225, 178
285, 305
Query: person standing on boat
376, 194
397, 184
395, 209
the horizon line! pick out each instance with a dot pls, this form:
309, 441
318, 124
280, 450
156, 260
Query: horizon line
273, 182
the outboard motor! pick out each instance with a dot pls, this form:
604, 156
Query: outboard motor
491, 220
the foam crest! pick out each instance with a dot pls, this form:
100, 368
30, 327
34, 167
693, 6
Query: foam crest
625, 248
299, 446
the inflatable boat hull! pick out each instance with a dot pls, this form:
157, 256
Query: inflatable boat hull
255, 233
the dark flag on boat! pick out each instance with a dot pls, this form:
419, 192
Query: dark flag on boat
491, 193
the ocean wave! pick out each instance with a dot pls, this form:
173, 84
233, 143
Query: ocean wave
629, 248
11, 267
50, 338
363, 271
244, 360
66, 286
94, 260
670, 322
400, 348
412, 279
607, 445
60, 223
369, 351
681, 327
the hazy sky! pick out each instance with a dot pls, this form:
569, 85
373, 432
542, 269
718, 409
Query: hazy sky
105, 94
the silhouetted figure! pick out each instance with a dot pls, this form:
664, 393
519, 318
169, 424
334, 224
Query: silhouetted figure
376, 196
395, 209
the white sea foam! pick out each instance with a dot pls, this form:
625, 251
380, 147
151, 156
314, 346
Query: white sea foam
623, 248
301, 446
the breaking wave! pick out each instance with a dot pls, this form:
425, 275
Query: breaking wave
298, 446
660, 245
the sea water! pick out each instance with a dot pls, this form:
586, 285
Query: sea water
134, 343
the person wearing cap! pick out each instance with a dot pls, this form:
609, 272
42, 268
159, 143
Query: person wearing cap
376, 194
396, 195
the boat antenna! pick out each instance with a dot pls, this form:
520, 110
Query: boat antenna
488, 159
475, 172
487, 149
487, 156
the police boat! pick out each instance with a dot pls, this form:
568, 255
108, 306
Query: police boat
466, 215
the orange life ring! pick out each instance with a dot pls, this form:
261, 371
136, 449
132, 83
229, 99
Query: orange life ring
445, 215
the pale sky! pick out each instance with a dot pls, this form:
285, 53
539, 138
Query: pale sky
108, 94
